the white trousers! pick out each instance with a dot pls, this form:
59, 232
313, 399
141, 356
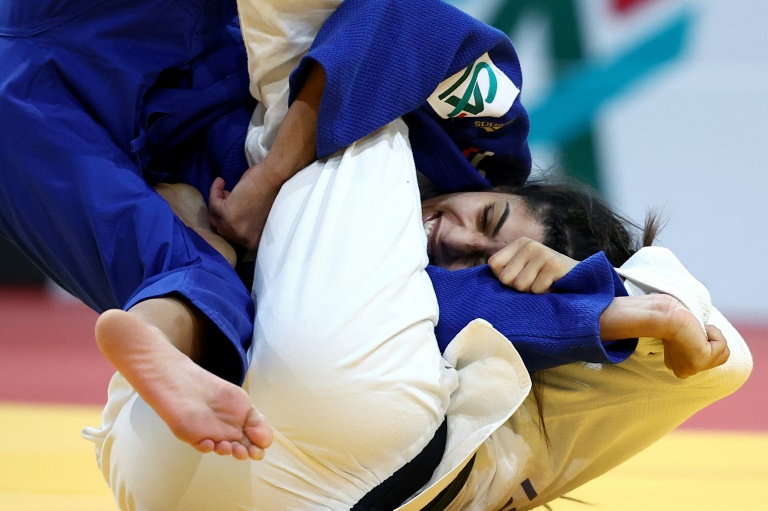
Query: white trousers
344, 360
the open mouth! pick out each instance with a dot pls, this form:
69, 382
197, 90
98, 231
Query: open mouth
430, 229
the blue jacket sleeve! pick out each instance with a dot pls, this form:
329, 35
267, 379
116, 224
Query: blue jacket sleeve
461, 84
547, 330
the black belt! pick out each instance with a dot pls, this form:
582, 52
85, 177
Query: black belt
392, 492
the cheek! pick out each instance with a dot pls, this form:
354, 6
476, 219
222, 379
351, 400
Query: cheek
524, 227
432, 205
467, 212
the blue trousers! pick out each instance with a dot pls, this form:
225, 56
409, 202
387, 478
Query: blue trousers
99, 100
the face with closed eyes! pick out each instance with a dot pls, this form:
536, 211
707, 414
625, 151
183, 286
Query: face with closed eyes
465, 229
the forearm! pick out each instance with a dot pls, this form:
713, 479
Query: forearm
547, 330
277, 34
636, 316
676, 311
239, 216
296, 139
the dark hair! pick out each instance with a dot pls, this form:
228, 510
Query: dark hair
578, 223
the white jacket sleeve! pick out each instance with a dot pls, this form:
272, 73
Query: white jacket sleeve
277, 33
598, 416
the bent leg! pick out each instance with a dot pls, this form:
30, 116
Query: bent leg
74, 198
344, 361
77, 205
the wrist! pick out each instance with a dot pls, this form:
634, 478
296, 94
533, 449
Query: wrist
273, 172
636, 316
263, 181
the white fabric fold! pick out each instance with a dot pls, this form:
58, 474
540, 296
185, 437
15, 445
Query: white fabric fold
657, 270
493, 383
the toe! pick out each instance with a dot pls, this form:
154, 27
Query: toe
223, 448
239, 451
205, 446
258, 430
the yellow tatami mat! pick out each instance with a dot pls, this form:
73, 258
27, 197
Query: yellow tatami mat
685, 471
45, 465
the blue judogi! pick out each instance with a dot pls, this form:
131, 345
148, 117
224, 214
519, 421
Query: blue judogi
383, 59
100, 99
549, 330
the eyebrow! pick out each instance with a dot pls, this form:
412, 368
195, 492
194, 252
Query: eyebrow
502, 219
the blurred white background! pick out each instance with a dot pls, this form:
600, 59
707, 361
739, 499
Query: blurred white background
660, 104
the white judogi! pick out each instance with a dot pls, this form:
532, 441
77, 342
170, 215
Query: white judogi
617, 411
277, 33
344, 361
346, 367
319, 396
598, 416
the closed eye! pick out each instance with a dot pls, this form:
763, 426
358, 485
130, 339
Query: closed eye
484, 218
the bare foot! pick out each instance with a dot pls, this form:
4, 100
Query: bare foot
200, 408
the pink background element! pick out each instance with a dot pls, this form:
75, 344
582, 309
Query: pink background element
48, 355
